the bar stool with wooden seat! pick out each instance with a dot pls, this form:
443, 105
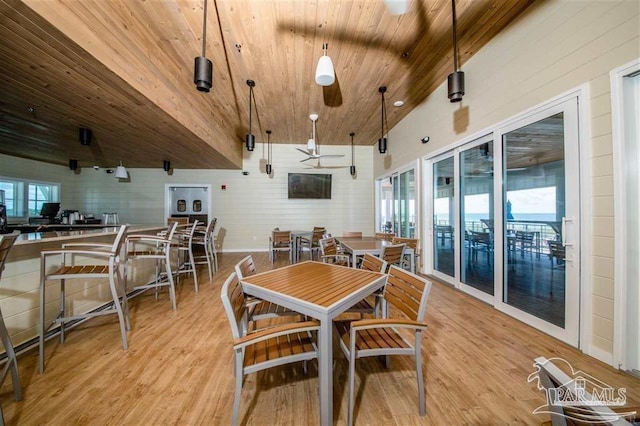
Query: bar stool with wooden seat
109, 254
186, 262
204, 237
158, 248
6, 242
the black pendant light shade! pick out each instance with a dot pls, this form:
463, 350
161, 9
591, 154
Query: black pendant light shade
84, 135
166, 165
382, 142
352, 168
269, 169
250, 140
203, 74
455, 81
73, 164
203, 68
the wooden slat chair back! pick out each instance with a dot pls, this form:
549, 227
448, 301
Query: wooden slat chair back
371, 304
313, 245
556, 382
352, 234
266, 348
179, 220
280, 241
384, 236
379, 336
68, 269
393, 254
258, 309
6, 242
329, 253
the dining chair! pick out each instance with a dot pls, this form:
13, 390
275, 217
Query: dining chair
569, 411
388, 236
261, 349
329, 253
280, 241
312, 245
108, 267
393, 254
411, 243
408, 293
371, 304
258, 309
155, 247
203, 237
6, 242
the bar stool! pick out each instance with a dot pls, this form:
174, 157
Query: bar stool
204, 237
6, 242
156, 247
186, 262
68, 269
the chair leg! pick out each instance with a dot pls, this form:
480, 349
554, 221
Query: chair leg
61, 312
206, 255
12, 361
193, 269
42, 325
125, 302
238, 391
352, 373
172, 287
116, 301
418, 357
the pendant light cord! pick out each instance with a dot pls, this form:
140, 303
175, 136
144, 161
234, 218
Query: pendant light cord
455, 41
204, 29
250, 98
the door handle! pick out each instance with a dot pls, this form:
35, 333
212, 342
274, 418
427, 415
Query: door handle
566, 220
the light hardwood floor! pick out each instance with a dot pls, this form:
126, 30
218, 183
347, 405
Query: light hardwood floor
178, 370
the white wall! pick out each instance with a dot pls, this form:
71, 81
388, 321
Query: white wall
554, 47
247, 210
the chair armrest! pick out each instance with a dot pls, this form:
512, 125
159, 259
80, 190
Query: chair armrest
142, 237
96, 245
387, 323
269, 333
45, 253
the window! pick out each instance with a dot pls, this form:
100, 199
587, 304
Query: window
24, 198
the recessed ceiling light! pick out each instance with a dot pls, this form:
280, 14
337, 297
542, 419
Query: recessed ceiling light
398, 103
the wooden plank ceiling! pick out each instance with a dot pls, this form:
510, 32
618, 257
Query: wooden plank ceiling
125, 70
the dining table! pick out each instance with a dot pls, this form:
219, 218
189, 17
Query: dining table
359, 246
322, 291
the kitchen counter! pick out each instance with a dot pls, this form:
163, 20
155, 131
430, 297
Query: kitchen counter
55, 233
20, 285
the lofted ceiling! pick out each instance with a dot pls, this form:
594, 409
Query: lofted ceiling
124, 69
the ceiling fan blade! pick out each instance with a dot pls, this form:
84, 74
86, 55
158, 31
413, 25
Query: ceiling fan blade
306, 159
331, 155
304, 152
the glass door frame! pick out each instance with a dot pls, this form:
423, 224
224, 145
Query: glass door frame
429, 232
395, 215
570, 333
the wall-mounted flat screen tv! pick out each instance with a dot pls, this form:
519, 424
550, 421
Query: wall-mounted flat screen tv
309, 185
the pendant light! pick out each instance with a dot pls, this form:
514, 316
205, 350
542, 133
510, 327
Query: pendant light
166, 165
250, 139
325, 74
382, 142
397, 7
121, 172
203, 68
352, 169
73, 165
455, 81
269, 169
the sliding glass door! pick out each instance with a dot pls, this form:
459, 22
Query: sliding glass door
506, 218
397, 209
443, 252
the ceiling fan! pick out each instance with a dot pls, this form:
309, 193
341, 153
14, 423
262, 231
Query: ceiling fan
312, 150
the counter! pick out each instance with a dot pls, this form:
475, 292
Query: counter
20, 284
